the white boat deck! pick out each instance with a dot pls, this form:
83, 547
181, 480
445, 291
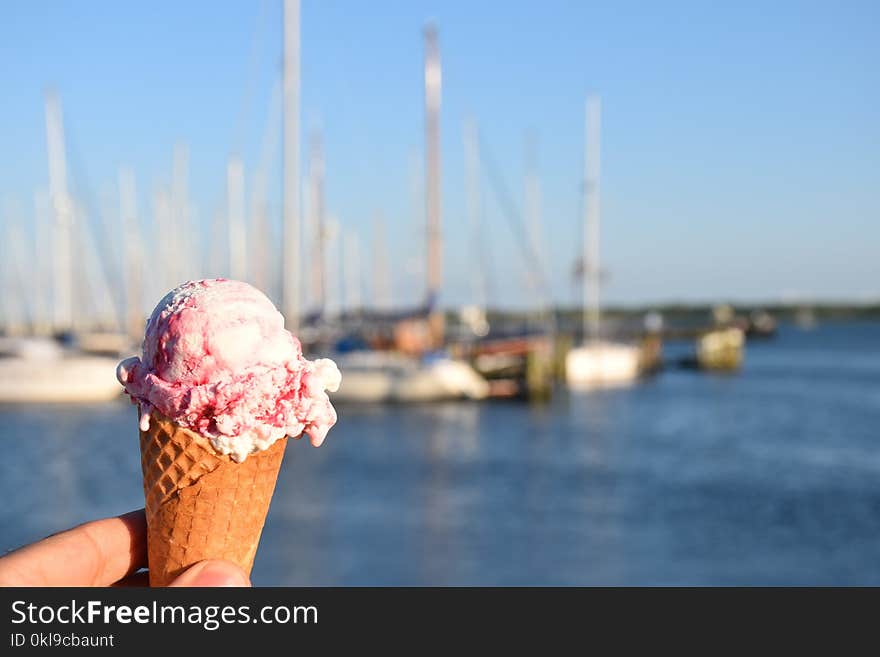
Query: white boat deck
39, 370
383, 376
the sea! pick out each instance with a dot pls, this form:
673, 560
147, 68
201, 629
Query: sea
770, 476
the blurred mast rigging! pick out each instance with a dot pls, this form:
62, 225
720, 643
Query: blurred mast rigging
318, 223
62, 207
290, 278
432, 163
592, 269
433, 80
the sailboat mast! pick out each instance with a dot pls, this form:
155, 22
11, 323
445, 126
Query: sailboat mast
475, 208
381, 273
534, 227
62, 207
43, 262
235, 219
352, 271
260, 244
290, 280
183, 255
318, 223
432, 162
133, 254
162, 220
332, 259
592, 315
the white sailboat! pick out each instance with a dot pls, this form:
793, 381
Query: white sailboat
388, 376
290, 246
40, 369
597, 363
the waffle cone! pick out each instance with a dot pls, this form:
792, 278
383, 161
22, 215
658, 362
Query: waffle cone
201, 504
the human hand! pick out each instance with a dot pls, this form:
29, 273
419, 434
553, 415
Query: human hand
108, 552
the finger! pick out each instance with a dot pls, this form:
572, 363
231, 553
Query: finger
96, 553
213, 572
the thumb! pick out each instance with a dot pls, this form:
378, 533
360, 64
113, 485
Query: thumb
213, 572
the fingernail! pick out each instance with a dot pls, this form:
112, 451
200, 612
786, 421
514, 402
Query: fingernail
214, 573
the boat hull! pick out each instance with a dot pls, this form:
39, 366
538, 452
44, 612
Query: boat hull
391, 378
71, 379
721, 349
602, 365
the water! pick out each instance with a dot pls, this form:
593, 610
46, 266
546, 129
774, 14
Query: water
771, 476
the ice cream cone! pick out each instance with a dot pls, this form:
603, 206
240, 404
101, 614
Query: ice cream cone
201, 504
217, 358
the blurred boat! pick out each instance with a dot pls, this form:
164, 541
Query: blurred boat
651, 353
805, 319
760, 324
41, 370
721, 349
515, 367
597, 363
399, 362
384, 376
106, 343
602, 364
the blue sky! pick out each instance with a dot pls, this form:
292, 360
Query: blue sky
741, 143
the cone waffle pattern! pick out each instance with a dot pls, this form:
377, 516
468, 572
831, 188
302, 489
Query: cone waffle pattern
200, 504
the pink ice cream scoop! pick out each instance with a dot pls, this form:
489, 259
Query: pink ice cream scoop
218, 360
